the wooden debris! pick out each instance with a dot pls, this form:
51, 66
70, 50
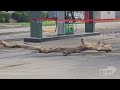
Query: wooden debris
83, 47
98, 46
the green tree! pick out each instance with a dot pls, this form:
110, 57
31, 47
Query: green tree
4, 17
21, 16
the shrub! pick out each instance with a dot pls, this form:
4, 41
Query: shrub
4, 17
21, 16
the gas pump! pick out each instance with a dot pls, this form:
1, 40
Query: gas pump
69, 27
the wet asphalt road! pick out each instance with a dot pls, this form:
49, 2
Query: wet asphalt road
21, 63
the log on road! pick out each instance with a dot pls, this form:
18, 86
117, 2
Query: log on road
82, 47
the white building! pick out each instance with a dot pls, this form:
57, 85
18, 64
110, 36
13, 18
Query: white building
104, 14
98, 14
79, 14
117, 14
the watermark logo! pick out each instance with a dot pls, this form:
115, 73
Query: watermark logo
109, 71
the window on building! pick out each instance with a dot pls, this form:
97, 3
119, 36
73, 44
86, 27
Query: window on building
108, 12
81, 12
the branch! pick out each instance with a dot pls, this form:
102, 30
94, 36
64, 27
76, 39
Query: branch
83, 47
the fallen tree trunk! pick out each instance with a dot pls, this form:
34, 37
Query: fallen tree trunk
9, 45
65, 51
97, 46
83, 47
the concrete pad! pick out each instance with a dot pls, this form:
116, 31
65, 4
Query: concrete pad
59, 37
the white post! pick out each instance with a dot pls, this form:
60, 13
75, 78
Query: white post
60, 25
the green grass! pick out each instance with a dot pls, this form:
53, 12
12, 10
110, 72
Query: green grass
21, 24
48, 23
45, 23
27, 24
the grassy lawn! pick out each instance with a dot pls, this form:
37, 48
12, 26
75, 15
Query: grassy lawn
26, 24
45, 23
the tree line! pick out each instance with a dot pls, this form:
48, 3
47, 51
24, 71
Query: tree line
17, 16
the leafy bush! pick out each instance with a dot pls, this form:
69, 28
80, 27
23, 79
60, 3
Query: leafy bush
4, 17
21, 16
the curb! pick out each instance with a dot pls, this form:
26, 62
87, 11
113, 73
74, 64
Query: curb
38, 40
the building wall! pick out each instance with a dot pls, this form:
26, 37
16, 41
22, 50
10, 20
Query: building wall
117, 14
107, 14
101, 14
97, 14
79, 14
